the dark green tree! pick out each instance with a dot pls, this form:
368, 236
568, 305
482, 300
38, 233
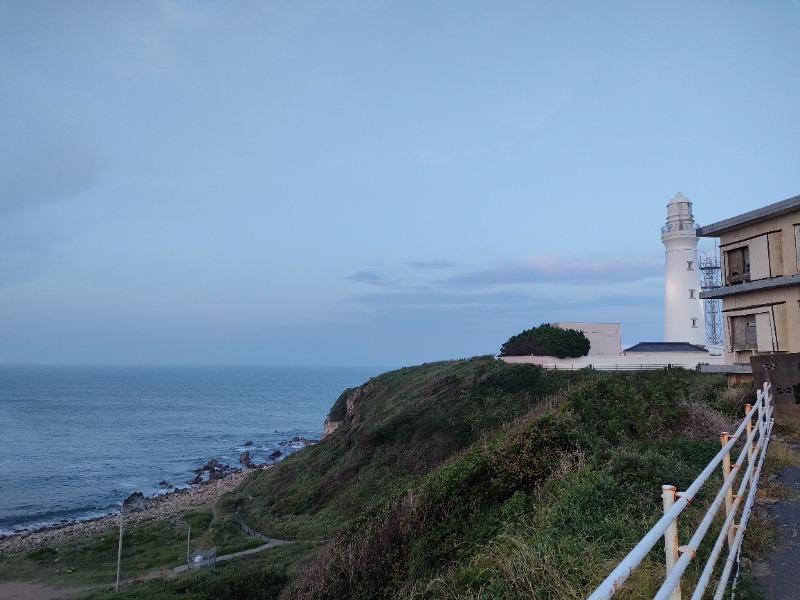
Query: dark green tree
547, 340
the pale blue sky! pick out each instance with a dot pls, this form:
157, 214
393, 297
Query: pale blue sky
376, 183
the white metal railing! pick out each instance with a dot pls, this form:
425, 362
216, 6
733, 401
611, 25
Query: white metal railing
616, 366
755, 442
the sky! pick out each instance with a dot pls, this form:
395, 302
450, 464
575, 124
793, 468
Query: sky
369, 182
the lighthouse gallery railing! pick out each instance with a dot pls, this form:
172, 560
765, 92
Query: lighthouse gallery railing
756, 429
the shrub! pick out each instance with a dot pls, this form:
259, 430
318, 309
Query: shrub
547, 340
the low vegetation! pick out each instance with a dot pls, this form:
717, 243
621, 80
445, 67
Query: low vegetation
472, 479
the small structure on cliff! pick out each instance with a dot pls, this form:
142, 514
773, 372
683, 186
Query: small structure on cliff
203, 558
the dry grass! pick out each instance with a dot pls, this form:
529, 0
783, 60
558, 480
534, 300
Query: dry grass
735, 397
787, 428
780, 455
703, 422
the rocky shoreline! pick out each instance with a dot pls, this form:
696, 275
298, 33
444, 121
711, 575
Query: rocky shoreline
166, 506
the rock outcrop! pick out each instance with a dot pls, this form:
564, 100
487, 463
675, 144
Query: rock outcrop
136, 502
332, 425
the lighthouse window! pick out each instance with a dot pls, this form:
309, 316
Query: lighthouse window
694, 323
691, 294
690, 265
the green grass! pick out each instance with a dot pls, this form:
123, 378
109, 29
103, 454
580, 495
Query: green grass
561, 495
257, 576
146, 546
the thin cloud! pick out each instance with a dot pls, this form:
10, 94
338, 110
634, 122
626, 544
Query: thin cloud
369, 277
546, 268
431, 265
51, 167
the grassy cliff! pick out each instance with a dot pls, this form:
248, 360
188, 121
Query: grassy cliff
474, 479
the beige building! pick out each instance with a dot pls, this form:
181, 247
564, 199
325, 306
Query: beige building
760, 292
604, 337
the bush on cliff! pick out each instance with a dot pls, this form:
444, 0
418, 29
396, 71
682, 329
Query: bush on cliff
547, 340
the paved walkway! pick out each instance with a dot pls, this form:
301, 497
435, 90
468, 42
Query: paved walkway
269, 544
779, 575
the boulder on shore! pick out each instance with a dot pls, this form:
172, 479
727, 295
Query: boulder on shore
134, 503
244, 457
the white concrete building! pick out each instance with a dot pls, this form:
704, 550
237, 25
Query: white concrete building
604, 337
684, 318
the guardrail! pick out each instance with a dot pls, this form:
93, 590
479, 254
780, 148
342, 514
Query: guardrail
247, 529
617, 367
754, 447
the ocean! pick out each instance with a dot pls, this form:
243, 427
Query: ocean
76, 441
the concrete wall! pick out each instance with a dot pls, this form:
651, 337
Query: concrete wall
604, 337
688, 360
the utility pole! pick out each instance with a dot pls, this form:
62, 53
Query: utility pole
119, 550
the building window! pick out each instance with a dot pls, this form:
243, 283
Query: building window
694, 323
743, 333
797, 244
690, 265
737, 266
691, 294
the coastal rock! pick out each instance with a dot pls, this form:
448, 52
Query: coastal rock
328, 427
275, 454
244, 457
195, 480
248, 443
165, 484
134, 503
211, 465
332, 425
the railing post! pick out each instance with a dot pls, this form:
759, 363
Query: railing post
726, 471
749, 417
671, 537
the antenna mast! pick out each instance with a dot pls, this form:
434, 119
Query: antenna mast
709, 267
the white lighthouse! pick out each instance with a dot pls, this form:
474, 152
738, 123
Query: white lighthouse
684, 319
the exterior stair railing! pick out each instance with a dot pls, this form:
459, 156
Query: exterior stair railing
754, 431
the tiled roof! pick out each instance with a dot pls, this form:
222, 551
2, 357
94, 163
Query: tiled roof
665, 347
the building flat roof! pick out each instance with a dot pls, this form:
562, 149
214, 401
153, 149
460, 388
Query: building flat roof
754, 216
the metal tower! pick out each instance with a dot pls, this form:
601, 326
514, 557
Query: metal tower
709, 267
